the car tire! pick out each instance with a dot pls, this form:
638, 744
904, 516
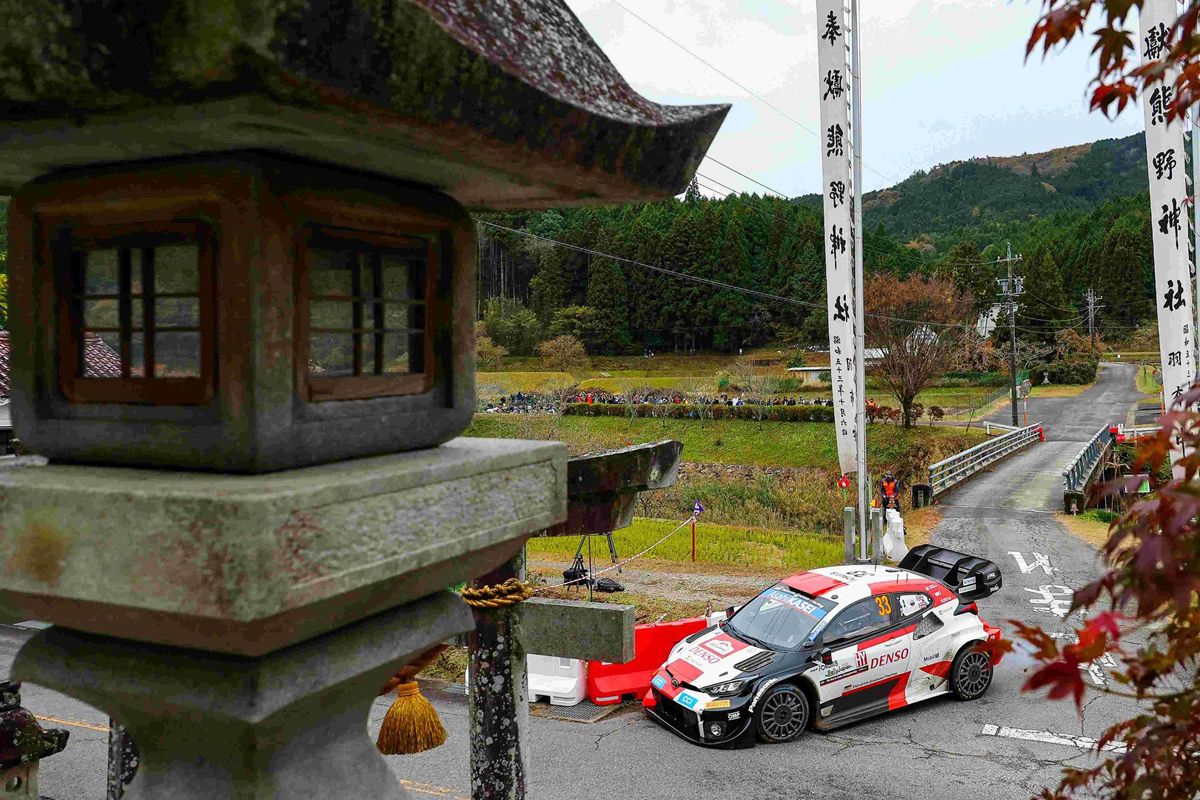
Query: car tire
971, 673
782, 715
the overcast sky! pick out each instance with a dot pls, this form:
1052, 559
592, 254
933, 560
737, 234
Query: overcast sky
943, 80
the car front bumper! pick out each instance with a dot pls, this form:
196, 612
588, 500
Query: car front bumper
729, 726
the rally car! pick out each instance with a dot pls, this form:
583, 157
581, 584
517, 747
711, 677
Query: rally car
832, 646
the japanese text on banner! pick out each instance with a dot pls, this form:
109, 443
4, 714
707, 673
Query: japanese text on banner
840, 193
1168, 207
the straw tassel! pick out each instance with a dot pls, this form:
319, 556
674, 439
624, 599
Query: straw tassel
411, 725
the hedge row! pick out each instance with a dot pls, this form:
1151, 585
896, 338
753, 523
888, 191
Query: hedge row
1071, 370
689, 410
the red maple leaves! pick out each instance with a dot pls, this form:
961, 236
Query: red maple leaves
1120, 74
1144, 620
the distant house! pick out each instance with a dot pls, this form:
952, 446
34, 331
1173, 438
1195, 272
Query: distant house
810, 376
102, 361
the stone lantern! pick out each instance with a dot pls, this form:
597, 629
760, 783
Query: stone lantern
258, 213
23, 744
266, 313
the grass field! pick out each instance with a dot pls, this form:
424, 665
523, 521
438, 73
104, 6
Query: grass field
494, 384
736, 550
1091, 526
625, 382
488, 384
1064, 390
730, 441
1145, 380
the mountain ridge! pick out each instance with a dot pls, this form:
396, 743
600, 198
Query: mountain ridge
991, 191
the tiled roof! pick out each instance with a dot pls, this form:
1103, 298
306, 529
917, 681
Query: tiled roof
103, 361
3, 363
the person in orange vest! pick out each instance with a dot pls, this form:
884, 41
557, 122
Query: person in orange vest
889, 492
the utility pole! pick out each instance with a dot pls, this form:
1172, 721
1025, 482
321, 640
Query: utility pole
1010, 289
1091, 298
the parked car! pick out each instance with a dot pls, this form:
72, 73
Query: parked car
832, 646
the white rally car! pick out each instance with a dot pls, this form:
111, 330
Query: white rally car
832, 646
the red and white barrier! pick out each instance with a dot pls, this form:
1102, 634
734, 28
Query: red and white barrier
607, 683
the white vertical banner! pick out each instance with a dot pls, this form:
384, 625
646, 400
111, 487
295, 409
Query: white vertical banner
833, 86
1165, 161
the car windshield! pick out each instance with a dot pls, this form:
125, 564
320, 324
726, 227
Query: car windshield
780, 618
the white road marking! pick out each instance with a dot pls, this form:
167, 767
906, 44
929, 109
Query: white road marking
1094, 669
1055, 599
1039, 560
1046, 737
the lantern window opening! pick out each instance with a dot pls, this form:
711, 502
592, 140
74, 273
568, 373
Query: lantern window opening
366, 329
136, 322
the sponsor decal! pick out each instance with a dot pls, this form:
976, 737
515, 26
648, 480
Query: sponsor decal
780, 597
722, 646
888, 658
840, 673
717, 704
767, 684
850, 575
687, 700
658, 682
734, 715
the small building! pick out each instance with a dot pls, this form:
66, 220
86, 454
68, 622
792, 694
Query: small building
100, 359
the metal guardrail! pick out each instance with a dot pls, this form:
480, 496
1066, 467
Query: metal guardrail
988, 427
1079, 471
950, 472
1138, 431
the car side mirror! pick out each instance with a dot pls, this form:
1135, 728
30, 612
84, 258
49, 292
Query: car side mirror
826, 656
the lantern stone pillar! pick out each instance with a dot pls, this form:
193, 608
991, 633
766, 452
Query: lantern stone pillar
241, 327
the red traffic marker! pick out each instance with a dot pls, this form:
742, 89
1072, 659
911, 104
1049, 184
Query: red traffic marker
844, 482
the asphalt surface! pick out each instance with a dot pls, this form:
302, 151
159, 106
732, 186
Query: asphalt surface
1006, 745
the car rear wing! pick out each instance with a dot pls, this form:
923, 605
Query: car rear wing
971, 577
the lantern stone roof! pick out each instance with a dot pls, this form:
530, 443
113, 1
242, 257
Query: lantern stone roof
501, 104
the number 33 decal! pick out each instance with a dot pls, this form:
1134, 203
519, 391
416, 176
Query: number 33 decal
885, 605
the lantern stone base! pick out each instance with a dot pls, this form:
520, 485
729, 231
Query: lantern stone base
248, 564
289, 725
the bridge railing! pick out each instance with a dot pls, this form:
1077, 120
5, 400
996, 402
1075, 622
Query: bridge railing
1079, 473
1134, 432
949, 472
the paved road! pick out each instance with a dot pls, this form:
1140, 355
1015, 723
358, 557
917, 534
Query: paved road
941, 748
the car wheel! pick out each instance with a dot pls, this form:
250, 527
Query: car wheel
971, 673
782, 715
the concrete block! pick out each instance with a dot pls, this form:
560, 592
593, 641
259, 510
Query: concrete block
572, 629
249, 564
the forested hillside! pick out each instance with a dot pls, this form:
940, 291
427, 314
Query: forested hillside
985, 194
1078, 216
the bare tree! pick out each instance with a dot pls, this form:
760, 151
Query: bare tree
918, 324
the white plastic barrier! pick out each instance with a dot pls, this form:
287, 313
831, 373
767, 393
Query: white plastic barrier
562, 681
894, 546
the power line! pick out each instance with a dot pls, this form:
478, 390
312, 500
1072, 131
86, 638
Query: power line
744, 175
876, 249
735, 81
709, 281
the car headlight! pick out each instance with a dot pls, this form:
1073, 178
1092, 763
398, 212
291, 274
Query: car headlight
725, 689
